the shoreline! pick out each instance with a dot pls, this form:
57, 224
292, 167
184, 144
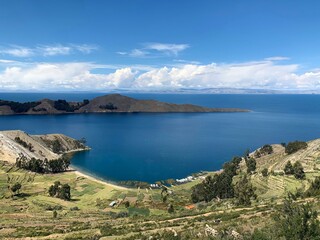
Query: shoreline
80, 173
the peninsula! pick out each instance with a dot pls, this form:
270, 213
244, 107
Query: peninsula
15, 143
105, 104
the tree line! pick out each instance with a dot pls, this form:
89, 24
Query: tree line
43, 166
63, 105
19, 107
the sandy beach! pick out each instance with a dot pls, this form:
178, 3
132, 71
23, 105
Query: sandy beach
81, 174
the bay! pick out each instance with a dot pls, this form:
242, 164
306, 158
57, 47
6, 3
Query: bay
150, 147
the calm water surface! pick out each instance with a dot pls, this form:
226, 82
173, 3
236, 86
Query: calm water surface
149, 147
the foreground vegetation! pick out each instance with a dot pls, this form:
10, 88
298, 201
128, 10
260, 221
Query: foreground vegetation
253, 198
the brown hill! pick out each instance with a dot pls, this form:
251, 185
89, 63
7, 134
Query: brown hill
17, 143
104, 104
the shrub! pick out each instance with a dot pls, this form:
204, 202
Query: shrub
293, 147
251, 165
60, 191
219, 185
127, 204
138, 211
298, 221
298, 170
244, 191
314, 189
266, 149
108, 106
24, 144
56, 146
265, 172
288, 169
170, 208
15, 187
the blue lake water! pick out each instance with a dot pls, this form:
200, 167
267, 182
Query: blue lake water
150, 147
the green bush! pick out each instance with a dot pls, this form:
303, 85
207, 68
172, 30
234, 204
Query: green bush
293, 147
138, 211
265, 172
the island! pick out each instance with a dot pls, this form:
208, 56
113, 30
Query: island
112, 103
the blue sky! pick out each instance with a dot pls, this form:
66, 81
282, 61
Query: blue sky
159, 45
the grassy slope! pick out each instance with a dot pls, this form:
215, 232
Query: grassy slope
28, 215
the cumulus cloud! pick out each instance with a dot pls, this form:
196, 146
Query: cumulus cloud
265, 74
46, 50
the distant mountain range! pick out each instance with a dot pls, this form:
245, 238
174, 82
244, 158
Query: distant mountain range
222, 91
105, 104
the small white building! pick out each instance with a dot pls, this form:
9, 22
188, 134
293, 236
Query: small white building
113, 203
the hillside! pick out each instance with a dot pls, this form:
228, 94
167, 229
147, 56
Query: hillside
51, 146
104, 104
89, 214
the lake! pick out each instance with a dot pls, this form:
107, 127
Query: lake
151, 147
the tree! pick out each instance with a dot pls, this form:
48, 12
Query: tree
54, 214
53, 189
314, 189
56, 146
298, 222
164, 198
219, 185
246, 153
198, 193
293, 147
127, 204
60, 191
288, 168
251, 165
244, 191
43, 166
64, 192
170, 208
265, 172
16, 188
298, 170
266, 149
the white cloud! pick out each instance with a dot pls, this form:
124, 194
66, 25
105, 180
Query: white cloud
5, 61
47, 50
170, 49
182, 61
17, 51
54, 50
156, 50
277, 58
138, 53
85, 48
83, 76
